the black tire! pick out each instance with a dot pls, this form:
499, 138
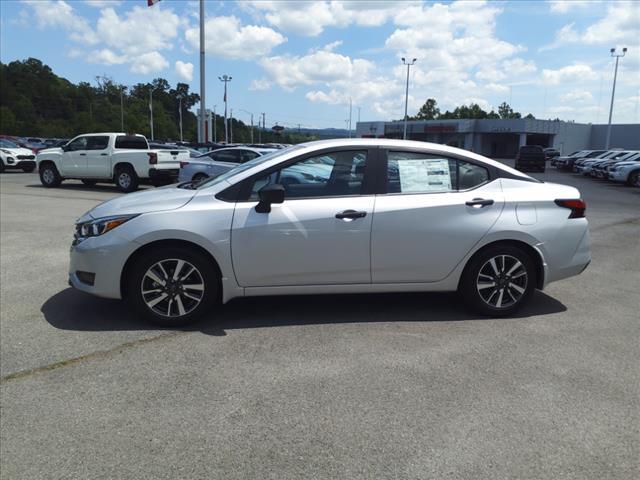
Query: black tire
89, 183
516, 292
206, 272
28, 169
1, 166
49, 176
634, 179
199, 177
126, 179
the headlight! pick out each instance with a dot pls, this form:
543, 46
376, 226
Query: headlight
5, 151
99, 226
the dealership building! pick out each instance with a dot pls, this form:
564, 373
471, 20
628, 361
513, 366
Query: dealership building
502, 138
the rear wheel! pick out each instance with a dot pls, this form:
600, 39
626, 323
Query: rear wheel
173, 286
49, 176
199, 178
499, 280
126, 179
634, 179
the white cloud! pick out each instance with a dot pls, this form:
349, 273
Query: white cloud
184, 71
106, 57
564, 6
60, 14
225, 37
148, 63
103, 3
580, 96
310, 18
260, 84
576, 73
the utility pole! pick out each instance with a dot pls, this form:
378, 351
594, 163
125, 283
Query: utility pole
406, 96
264, 121
231, 125
203, 103
613, 92
225, 79
151, 111
180, 114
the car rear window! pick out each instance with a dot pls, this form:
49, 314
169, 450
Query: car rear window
131, 142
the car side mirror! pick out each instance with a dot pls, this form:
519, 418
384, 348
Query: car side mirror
268, 195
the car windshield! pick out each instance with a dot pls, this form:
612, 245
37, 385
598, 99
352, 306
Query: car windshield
7, 144
246, 166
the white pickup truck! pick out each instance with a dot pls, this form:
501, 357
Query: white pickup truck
118, 158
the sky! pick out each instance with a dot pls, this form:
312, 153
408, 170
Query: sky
302, 63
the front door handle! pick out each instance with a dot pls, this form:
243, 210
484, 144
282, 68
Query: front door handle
104, 154
82, 154
350, 215
479, 203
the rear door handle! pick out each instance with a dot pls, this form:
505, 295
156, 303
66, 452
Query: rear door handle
350, 215
82, 154
479, 202
104, 154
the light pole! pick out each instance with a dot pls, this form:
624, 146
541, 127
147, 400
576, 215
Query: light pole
202, 83
406, 96
121, 109
231, 125
215, 133
251, 114
180, 114
225, 79
613, 92
151, 111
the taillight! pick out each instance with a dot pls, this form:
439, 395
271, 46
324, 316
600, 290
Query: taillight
577, 207
153, 158
183, 164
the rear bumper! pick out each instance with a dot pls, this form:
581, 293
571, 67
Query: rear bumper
165, 176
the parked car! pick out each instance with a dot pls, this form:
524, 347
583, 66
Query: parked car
445, 219
591, 156
550, 153
626, 172
109, 157
568, 162
218, 161
599, 168
13, 156
530, 158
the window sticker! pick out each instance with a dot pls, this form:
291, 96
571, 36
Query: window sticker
424, 175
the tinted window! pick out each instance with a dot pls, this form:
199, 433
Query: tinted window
232, 156
79, 143
97, 143
246, 155
330, 175
409, 172
131, 142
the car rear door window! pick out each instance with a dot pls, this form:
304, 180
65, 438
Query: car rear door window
330, 175
97, 143
232, 156
411, 172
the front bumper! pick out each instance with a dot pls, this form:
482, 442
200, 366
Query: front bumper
164, 176
105, 259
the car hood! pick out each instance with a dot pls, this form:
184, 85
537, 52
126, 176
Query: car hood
627, 164
155, 200
18, 151
50, 150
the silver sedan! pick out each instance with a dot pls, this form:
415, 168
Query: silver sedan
335, 216
212, 164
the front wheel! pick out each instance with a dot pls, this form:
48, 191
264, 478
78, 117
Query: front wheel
173, 286
499, 280
49, 176
634, 179
126, 179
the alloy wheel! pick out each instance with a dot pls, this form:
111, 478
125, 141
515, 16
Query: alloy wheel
124, 180
502, 281
48, 176
172, 287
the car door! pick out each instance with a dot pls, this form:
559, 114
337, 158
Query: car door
435, 210
98, 159
321, 233
74, 158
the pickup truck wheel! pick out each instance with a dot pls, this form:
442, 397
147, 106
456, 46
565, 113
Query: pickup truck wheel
89, 183
172, 286
49, 176
126, 179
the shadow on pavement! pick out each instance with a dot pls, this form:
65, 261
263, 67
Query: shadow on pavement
73, 310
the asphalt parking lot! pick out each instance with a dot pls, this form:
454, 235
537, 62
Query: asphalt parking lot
402, 386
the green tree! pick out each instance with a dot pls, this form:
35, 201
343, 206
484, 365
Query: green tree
428, 111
